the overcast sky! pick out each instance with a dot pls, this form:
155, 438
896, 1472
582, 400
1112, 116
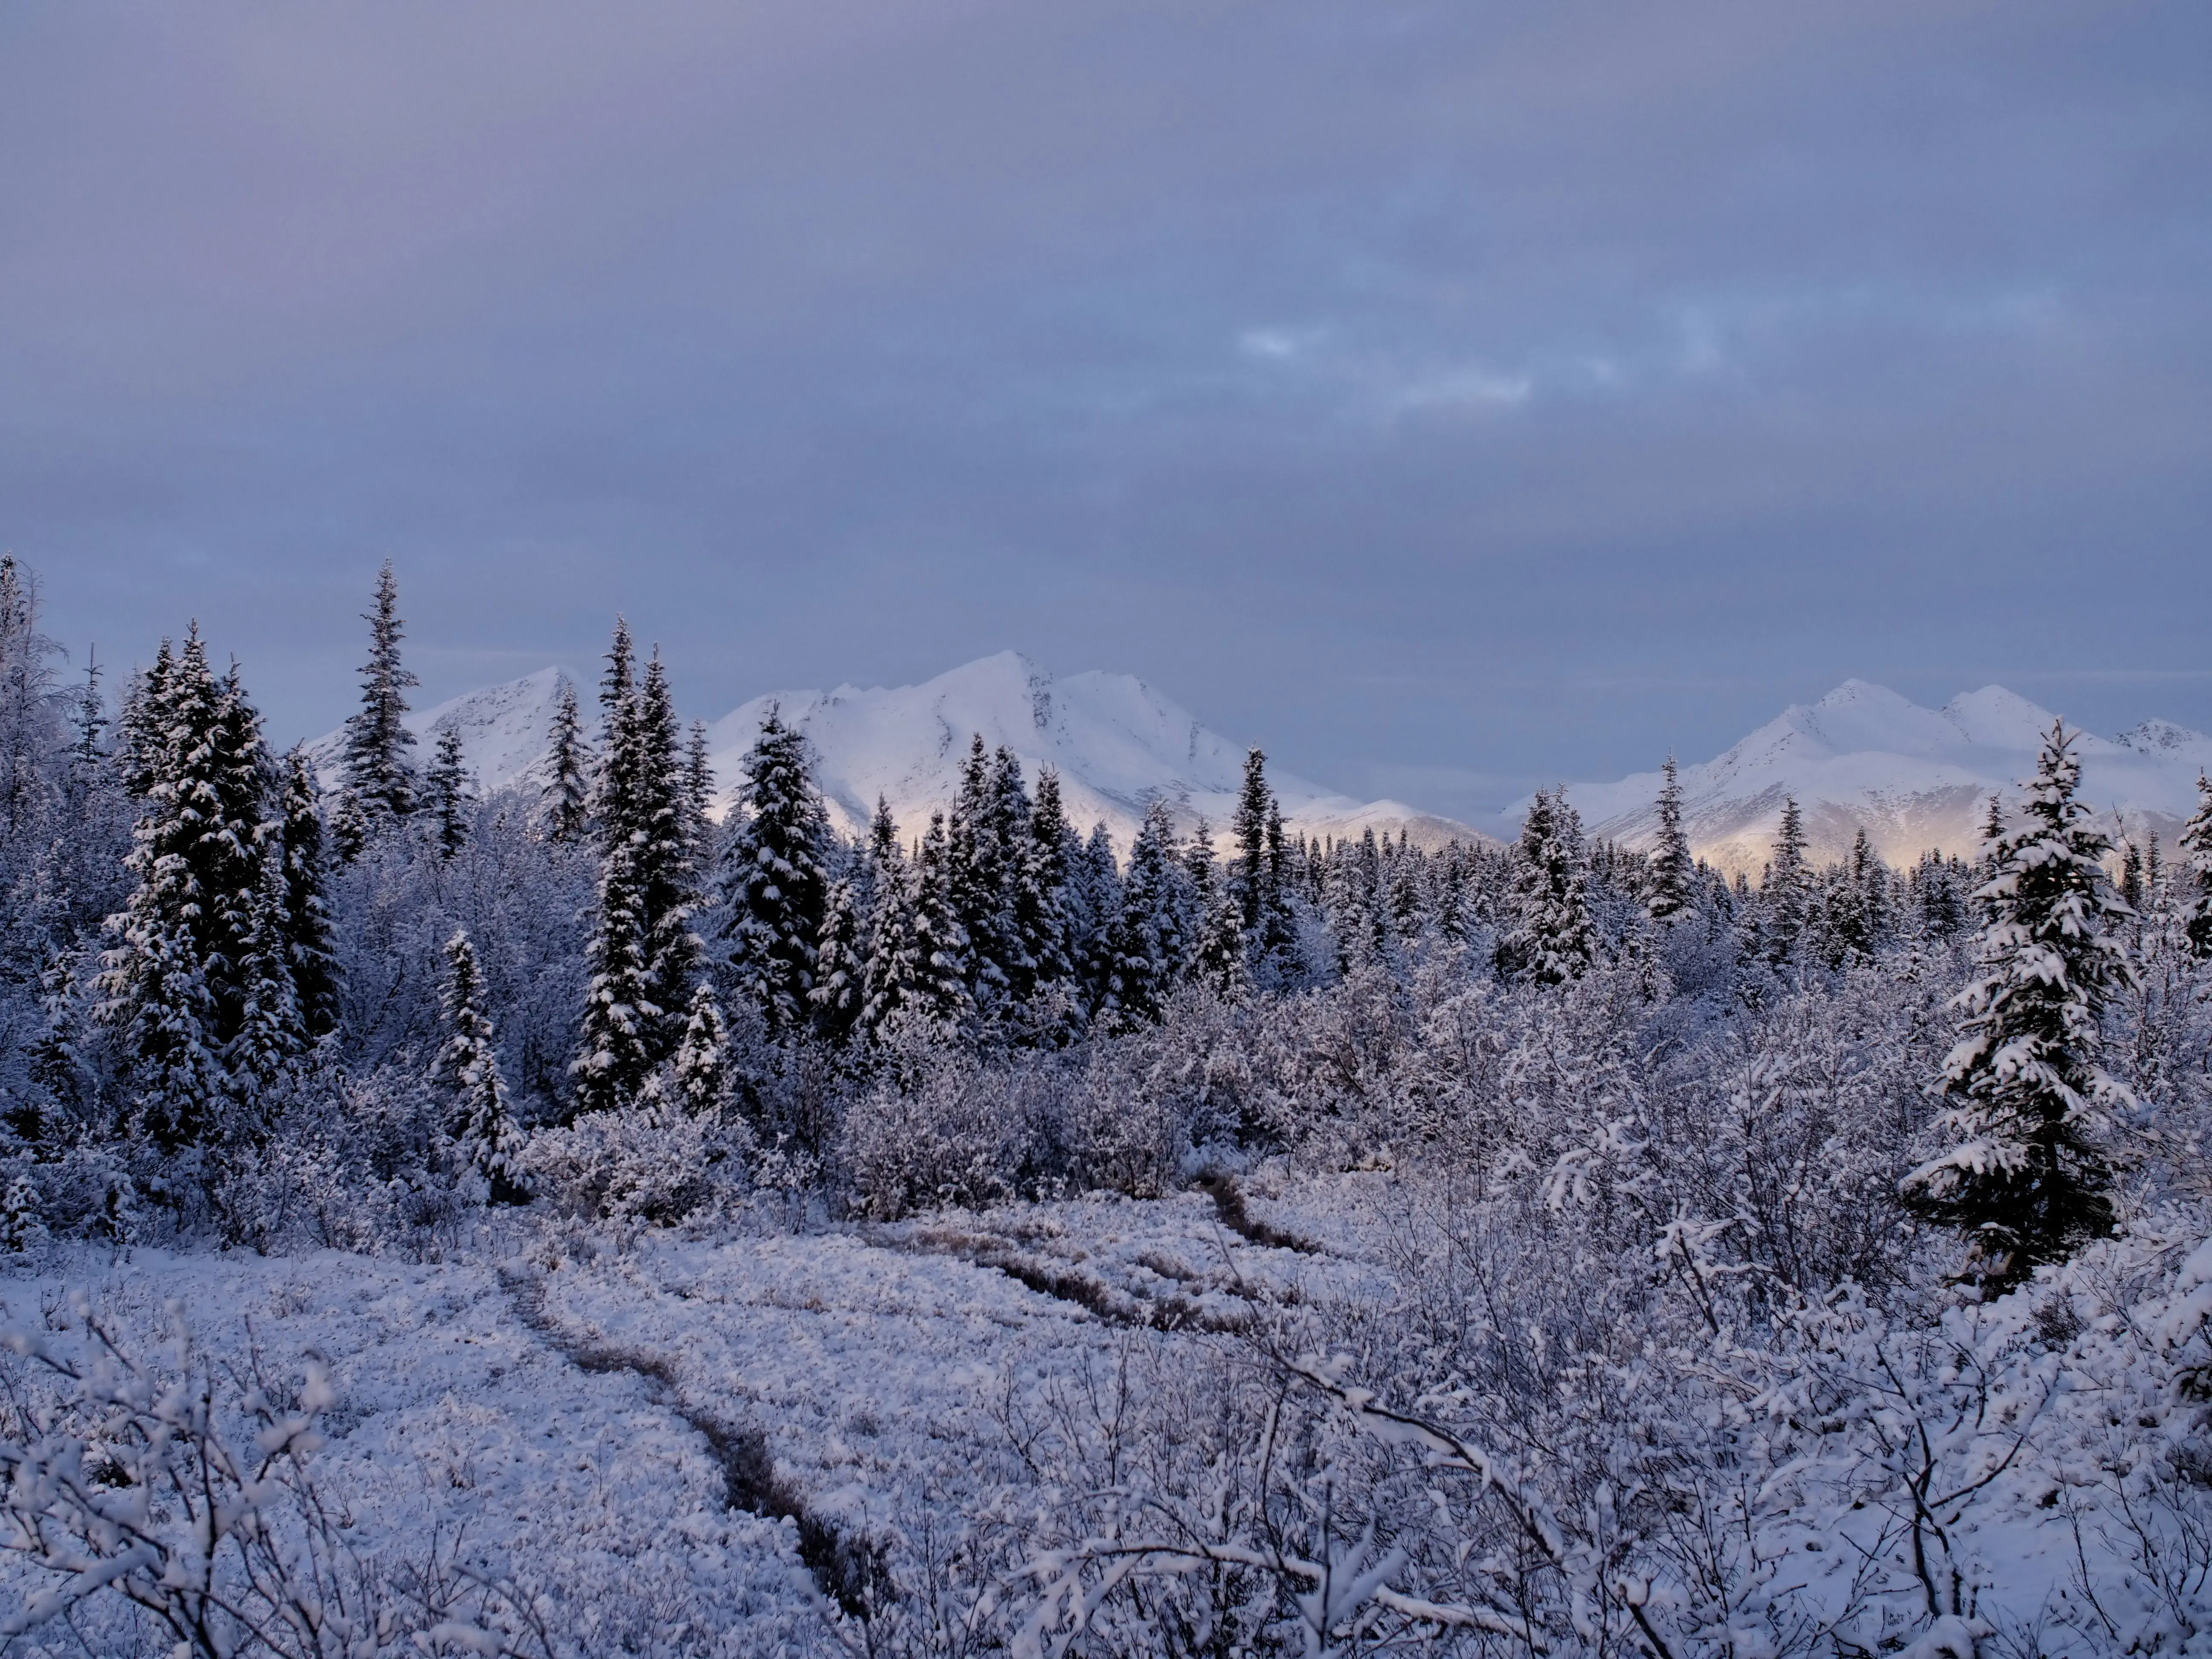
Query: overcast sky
1451, 397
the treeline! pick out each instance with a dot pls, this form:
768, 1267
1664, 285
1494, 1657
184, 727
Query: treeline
233, 999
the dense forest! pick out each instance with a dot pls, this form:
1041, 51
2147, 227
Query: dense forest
1725, 1210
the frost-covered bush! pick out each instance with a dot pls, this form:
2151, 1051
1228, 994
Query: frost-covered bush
149, 1506
951, 1131
650, 1161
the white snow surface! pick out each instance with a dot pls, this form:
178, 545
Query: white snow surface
882, 1365
1117, 744
1915, 779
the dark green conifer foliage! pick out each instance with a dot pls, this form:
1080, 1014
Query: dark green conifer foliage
892, 973
378, 774
1041, 916
1672, 875
704, 1081
775, 883
670, 861
568, 790
980, 857
2026, 1178
2196, 879
1149, 942
1551, 939
642, 955
446, 790
1785, 895
197, 981
466, 1077
309, 945
937, 947
1217, 920
841, 959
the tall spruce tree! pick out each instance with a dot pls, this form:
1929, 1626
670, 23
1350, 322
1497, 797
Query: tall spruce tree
309, 944
2026, 1178
568, 790
893, 970
1786, 895
196, 981
670, 860
379, 775
840, 958
1218, 956
937, 943
977, 859
1149, 941
775, 879
2197, 854
445, 794
699, 793
466, 1078
31, 729
1552, 939
1041, 896
642, 954
1673, 875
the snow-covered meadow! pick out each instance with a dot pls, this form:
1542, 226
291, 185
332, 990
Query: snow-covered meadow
974, 1424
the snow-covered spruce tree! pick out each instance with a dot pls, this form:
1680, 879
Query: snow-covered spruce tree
466, 1079
840, 958
702, 1065
1551, 939
937, 944
568, 790
195, 981
1786, 896
1093, 906
2195, 883
2025, 1178
378, 774
774, 882
670, 857
699, 793
1150, 944
1008, 824
976, 857
1256, 881
1218, 956
891, 970
643, 956
1041, 890
310, 950
445, 794
31, 728
1673, 875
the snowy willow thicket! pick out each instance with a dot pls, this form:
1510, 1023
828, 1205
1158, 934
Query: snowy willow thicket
1552, 1249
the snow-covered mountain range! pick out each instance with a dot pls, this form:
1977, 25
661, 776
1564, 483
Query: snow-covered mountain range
1915, 778
1117, 743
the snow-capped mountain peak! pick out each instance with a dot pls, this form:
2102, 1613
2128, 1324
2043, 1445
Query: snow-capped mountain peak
1914, 779
1117, 744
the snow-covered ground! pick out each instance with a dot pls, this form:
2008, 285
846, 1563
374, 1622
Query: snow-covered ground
558, 1405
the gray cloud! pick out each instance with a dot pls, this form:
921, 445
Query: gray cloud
1451, 396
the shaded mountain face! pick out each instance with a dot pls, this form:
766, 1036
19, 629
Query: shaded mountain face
1116, 744
1916, 779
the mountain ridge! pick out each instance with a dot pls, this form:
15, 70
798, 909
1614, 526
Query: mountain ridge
1117, 743
1916, 779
